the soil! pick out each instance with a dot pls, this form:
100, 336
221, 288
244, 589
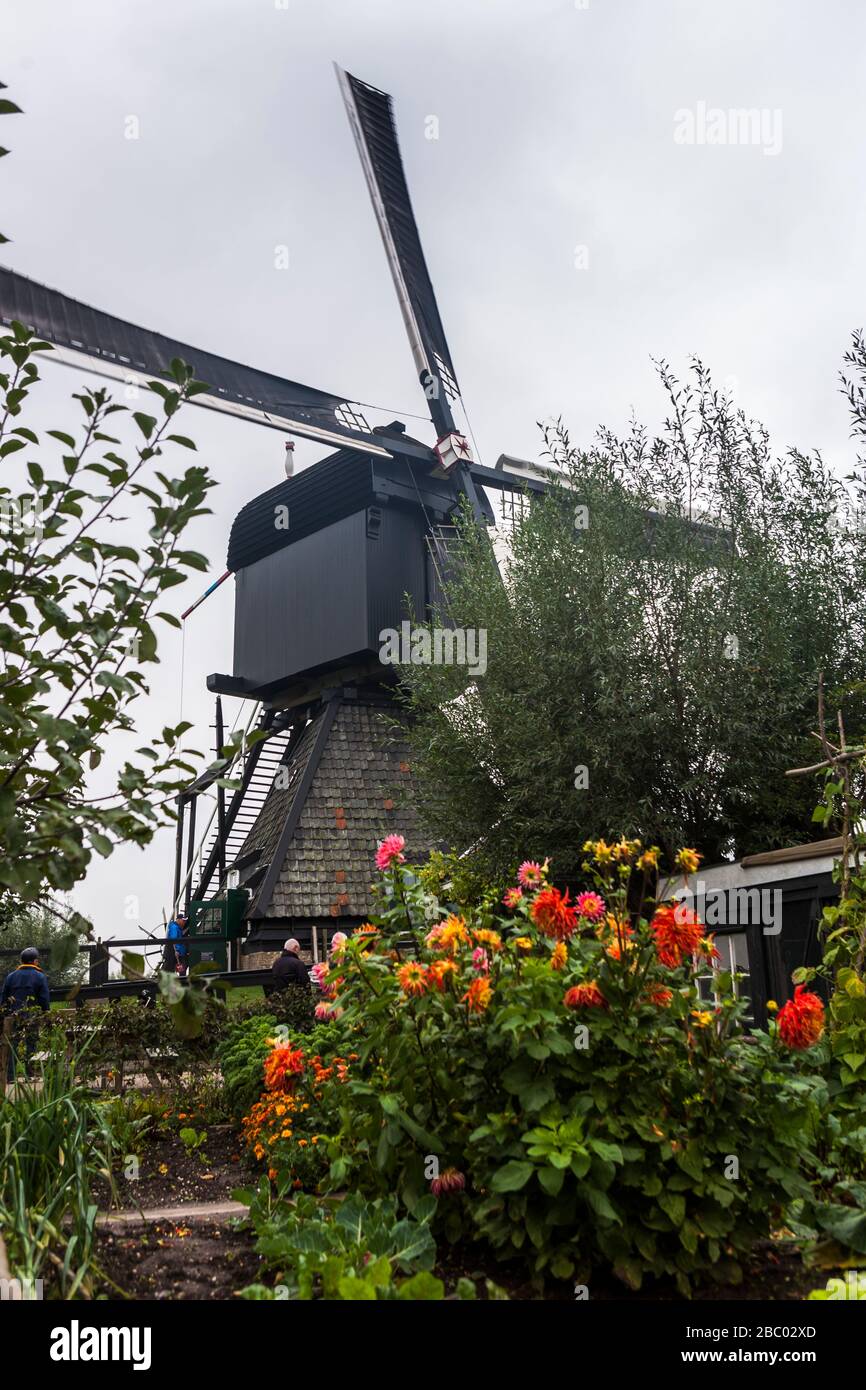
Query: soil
187, 1176
169, 1260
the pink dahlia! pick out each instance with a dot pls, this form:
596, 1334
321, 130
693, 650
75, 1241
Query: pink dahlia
512, 897
590, 906
480, 960
390, 851
530, 874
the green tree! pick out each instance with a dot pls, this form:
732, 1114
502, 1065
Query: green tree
77, 625
35, 926
653, 652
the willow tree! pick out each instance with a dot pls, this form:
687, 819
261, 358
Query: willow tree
653, 651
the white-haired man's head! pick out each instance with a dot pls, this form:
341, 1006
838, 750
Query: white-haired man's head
292, 945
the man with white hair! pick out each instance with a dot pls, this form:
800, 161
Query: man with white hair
289, 969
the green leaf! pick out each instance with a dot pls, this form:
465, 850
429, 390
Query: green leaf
512, 1176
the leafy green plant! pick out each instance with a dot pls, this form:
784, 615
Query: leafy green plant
349, 1250
193, 1141
241, 1057
554, 1073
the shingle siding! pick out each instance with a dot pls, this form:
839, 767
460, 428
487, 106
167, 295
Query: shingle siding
358, 794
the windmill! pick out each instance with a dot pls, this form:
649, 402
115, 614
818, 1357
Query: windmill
322, 563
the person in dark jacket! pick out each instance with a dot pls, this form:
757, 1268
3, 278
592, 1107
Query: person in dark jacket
289, 969
22, 989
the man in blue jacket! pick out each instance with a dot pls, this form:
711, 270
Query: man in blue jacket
176, 956
22, 989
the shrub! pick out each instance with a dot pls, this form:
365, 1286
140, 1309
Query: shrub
555, 1071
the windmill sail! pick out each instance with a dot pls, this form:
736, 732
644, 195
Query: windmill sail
372, 121
123, 349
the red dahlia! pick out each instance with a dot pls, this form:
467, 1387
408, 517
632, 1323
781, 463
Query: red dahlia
553, 914
801, 1020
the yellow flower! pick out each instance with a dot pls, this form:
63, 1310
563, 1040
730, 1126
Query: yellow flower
625, 849
523, 943
703, 1018
559, 956
163, 1168
688, 860
649, 859
772, 1006
602, 852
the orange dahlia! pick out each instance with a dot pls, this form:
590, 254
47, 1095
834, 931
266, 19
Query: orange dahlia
677, 931
438, 972
585, 996
553, 914
559, 956
478, 995
660, 996
282, 1066
412, 978
801, 1020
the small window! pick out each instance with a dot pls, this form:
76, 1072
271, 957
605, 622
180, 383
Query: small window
734, 956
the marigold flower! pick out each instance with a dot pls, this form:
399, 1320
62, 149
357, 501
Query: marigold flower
677, 932
412, 978
451, 1180
590, 907
523, 943
512, 897
553, 914
585, 996
801, 1020
390, 851
531, 874
688, 860
559, 956
478, 995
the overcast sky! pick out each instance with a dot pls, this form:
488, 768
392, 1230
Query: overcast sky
571, 230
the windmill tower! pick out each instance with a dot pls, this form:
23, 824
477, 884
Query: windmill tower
323, 563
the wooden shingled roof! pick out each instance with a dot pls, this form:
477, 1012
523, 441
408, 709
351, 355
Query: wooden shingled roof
344, 787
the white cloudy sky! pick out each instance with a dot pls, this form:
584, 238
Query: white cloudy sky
556, 130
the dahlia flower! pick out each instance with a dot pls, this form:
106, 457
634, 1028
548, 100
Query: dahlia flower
553, 914
478, 995
390, 851
801, 1020
512, 897
531, 874
589, 906
677, 931
412, 978
585, 996
450, 1181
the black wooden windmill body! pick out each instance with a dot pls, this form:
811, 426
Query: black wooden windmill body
323, 563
